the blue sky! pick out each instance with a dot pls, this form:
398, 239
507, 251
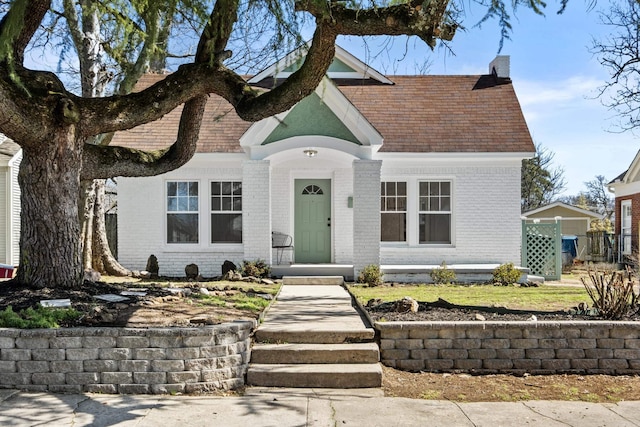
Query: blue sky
556, 79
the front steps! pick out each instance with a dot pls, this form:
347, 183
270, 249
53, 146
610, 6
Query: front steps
313, 337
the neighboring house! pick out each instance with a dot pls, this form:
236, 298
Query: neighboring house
626, 188
369, 169
574, 221
10, 158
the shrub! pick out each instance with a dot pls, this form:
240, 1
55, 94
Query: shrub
40, 317
257, 268
371, 275
443, 275
612, 296
506, 274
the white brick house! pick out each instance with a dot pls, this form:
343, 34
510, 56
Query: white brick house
397, 171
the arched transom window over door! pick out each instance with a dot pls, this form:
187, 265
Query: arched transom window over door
313, 190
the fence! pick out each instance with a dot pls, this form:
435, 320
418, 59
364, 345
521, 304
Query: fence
541, 249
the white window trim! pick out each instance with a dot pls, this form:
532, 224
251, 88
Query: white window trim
218, 245
406, 213
623, 204
450, 212
168, 245
413, 214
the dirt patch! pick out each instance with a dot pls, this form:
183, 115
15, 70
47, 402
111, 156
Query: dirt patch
165, 303
444, 311
509, 388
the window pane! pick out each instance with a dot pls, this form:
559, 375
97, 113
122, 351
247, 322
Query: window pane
182, 228
183, 203
183, 188
435, 228
445, 188
393, 227
424, 203
193, 204
237, 203
193, 189
215, 188
226, 188
402, 189
382, 204
226, 203
171, 188
215, 203
391, 203
401, 203
172, 204
383, 187
434, 188
391, 188
226, 228
424, 189
237, 188
445, 203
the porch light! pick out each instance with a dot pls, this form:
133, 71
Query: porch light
310, 152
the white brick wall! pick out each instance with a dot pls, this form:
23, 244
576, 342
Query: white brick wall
342, 219
486, 213
281, 208
366, 213
256, 210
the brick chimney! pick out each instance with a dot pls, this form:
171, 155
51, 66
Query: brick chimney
500, 66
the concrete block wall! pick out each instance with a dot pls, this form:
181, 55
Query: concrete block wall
486, 213
126, 360
366, 214
512, 347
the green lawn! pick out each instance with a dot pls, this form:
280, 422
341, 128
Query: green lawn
542, 298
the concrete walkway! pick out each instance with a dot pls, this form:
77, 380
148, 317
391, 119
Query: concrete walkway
308, 310
266, 407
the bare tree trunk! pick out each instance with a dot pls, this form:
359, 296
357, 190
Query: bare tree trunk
103, 260
50, 181
87, 197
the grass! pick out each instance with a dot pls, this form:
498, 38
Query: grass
542, 298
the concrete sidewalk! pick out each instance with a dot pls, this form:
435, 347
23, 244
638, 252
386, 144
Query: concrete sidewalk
300, 407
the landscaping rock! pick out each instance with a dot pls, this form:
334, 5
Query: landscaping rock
405, 305
152, 266
228, 266
191, 271
92, 276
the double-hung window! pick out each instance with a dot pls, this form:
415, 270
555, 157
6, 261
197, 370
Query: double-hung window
625, 226
182, 212
226, 212
434, 212
393, 211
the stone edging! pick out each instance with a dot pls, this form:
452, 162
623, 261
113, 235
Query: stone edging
585, 347
126, 360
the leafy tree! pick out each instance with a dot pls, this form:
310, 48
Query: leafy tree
540, 181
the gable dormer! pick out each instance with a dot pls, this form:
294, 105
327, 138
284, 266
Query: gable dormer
345, 66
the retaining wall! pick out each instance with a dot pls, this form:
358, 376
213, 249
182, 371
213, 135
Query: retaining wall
126, 360
512, 347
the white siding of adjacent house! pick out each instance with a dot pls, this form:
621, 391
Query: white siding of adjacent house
15, 209
4, 206
486, 212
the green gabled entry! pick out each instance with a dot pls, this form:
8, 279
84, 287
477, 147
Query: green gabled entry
311, 116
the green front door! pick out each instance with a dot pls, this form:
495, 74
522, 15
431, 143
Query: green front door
313, 220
